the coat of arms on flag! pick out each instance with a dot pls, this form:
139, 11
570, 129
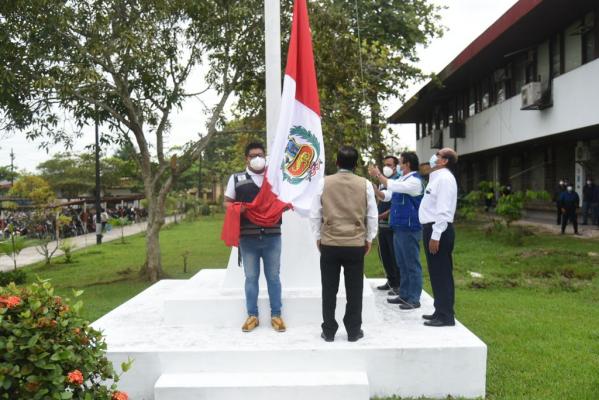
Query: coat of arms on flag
302, 156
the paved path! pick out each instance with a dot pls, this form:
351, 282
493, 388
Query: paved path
547, 221
30, 255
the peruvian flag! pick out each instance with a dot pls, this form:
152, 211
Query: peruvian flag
296, 163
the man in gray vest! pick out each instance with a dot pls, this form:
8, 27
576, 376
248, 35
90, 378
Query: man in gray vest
257, 242
344, 220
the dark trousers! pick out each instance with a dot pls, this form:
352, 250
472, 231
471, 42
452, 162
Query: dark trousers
586, 211
440, 270
387, 255
352, 260
570, 215
559, 214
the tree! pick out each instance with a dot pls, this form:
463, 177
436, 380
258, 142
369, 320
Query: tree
74, 175
126, 65
13, 246
33, 188
69, 175
6, 174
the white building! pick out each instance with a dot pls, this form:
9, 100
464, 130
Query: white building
521, 103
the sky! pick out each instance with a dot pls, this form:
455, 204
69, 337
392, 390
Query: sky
464, 21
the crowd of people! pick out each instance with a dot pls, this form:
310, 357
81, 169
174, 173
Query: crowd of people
42, 224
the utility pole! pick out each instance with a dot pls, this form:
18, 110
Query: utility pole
12, 167
98, 205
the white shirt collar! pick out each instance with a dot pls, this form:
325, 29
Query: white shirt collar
252, 173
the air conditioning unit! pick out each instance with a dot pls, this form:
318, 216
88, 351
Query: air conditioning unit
457, 130
583, 153
437, 139
531, 96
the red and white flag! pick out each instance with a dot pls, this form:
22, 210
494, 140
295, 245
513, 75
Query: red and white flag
296, 163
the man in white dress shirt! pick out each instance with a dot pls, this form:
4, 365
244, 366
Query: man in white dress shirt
436, 214
344, 219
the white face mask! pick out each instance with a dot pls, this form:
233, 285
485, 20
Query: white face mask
561, 182
433, 161
570, 188
387, 171
589, 182
258, 163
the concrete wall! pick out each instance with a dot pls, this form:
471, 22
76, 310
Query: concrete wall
575, 105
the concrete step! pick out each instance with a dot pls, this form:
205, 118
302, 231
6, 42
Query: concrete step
300, 385
206, 302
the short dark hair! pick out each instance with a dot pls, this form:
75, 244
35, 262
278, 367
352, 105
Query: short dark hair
452, 160
410, 158
253, 145
395, 160
347, 157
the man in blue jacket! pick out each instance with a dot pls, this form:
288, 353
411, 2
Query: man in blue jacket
569, 202
405, 194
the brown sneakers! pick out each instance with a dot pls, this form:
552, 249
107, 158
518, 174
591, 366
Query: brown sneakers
278, 324
250, 323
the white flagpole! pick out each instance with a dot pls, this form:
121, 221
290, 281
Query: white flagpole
272, 23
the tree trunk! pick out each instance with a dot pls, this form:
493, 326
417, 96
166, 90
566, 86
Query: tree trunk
152, 268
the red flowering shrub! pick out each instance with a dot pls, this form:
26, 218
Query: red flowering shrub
47, 351
120, 396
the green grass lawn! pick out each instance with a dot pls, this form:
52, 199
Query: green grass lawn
536, 307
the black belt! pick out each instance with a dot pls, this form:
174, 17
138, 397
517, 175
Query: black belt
260, 231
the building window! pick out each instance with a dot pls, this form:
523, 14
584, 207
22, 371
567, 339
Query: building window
519, 72
589, 37
556, 53
472, 101
531, 66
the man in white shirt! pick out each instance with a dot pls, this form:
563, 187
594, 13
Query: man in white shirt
436, 214
344, 220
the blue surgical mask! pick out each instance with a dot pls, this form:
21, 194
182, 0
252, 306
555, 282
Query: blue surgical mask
433, 161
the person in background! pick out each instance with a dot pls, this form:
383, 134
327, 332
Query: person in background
595, 205
386, 251
561, 188
569, 203
587, 201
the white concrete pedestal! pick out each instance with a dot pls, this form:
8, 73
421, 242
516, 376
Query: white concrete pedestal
187, 346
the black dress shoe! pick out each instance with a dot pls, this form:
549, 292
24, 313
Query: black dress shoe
393, 292
355, 338
438, 323
429, 317
386, 286
327, 338
409, 306
397, 300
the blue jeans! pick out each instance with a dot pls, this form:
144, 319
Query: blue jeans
267, 247
407, 253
